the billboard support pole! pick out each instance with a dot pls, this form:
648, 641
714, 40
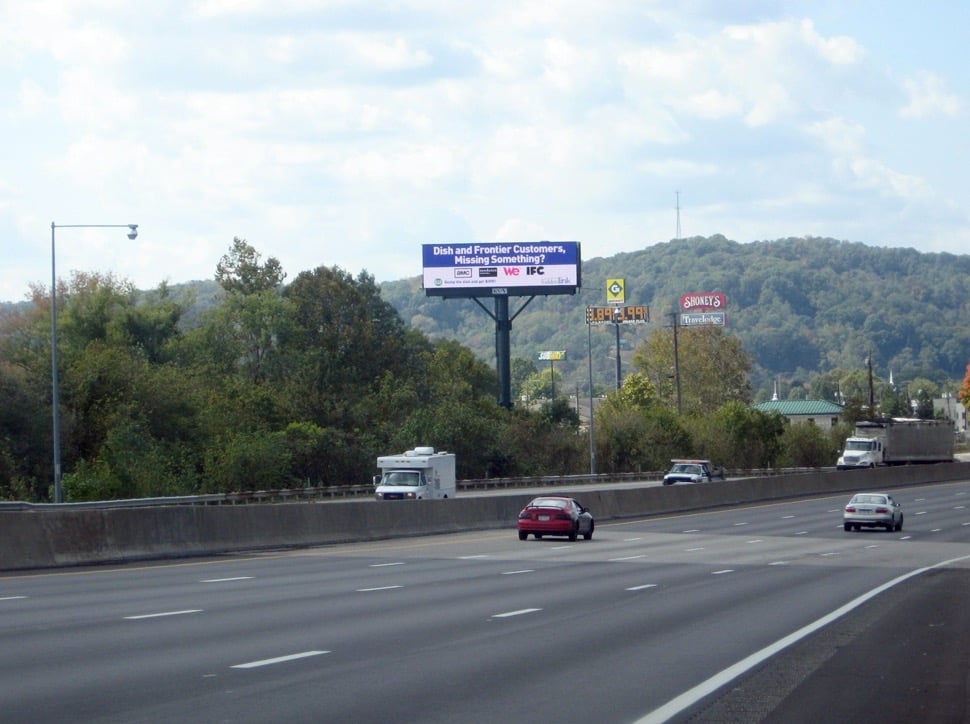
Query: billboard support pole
503, 362
503, 347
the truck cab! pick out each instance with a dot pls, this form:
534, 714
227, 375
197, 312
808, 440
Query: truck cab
860, 452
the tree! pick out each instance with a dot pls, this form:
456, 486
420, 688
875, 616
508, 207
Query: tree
241, 272
964, 392
521, 370
738, 436
807, 446
713, 368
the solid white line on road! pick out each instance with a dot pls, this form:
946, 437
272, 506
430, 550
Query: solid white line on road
469, 558
377, 588
692, 550
163, 614
778, 563
630, 540
737, 524
725, 570
625, 558
693, 530
226, 580
12, 598
756, 540
640, 588
521, 612
278, 660
385, 565
690, 697
515, 573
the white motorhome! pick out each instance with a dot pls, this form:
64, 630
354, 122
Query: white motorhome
416, 474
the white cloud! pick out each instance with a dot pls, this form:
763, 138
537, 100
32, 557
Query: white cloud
928, 96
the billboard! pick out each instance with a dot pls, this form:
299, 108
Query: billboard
497, 269
707, 300
701, 319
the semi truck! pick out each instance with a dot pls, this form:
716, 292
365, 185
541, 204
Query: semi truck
899, 441
417, 474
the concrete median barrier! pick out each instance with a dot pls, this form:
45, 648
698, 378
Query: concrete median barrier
62, 536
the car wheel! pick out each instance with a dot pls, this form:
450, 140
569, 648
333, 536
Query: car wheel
899, 525
538, 536
589, 535
847, 527
574, 533
523, 535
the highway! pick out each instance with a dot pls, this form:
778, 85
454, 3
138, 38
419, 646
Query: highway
655, 619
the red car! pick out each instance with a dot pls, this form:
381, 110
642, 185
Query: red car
554, 515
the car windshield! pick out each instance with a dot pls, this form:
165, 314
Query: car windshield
407, 477
549, 503
870, 499
689, 469
858, 445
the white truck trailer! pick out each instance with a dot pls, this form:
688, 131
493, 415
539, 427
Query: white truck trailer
900, 441
416, 474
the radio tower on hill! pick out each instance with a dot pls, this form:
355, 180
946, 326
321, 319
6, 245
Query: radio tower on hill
677, 193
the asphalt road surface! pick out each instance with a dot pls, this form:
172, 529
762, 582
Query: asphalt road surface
757, 613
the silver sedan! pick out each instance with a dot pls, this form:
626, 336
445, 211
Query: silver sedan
873, 510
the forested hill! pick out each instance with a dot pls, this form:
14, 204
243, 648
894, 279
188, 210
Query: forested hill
799, 306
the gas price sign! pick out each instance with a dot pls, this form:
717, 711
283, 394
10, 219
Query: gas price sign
639, 314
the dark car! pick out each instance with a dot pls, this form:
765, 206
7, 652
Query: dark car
554, 515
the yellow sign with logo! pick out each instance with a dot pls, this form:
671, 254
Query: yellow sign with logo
615, 293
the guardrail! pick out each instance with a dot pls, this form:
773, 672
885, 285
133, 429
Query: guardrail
363, 491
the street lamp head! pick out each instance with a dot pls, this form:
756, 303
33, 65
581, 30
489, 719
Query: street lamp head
132, 231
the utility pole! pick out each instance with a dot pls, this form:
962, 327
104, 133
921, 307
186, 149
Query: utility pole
675, 315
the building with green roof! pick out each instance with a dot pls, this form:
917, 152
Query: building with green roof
823, 413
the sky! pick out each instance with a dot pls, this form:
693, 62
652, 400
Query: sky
339, 133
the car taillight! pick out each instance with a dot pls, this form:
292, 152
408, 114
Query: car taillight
850, 509
882, 510
524, 515
563, 516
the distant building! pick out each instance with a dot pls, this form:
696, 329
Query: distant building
823, 413
950, 408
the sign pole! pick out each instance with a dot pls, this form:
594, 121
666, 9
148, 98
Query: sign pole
589, 361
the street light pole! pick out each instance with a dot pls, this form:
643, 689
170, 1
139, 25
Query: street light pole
55, 383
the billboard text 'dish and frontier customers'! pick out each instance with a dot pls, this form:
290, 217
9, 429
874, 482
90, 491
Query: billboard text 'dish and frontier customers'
487, 269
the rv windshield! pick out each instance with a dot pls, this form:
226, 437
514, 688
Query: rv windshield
399, 477
858, 445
